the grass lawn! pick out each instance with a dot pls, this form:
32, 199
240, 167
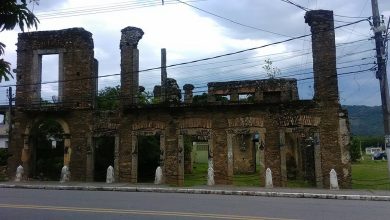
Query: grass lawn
198, 176
370, 174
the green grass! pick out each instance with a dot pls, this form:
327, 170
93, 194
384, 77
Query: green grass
366, 174
370, 174
198, 176
299, 183
246, 179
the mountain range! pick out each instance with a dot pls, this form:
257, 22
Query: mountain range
365, 120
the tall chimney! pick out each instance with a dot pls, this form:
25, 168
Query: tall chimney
163, 73
130, 65
324, 55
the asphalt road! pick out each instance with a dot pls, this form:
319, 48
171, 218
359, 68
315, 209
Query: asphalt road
61, 204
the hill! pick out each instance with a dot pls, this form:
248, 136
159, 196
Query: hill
365, 120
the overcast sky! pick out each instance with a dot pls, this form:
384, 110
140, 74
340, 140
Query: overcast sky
189, 34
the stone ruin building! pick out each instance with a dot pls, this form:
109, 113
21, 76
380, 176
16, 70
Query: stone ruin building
274, 126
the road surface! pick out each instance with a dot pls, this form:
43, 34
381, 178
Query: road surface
94, 205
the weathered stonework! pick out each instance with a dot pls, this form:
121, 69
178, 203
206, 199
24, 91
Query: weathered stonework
294, 137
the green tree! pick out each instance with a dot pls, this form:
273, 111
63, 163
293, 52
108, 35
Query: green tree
270, 70
12, 13
354, 149
108, 98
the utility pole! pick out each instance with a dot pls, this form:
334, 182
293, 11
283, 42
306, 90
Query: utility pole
381, 74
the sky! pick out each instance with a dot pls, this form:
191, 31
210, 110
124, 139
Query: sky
210, 28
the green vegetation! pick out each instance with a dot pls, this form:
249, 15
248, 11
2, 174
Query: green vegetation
370, 174
198, 176
246, 179
3, 156
365, 120
14, 13
108, 98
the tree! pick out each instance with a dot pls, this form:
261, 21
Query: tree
14, 13
270, 70
108, 98
354, 149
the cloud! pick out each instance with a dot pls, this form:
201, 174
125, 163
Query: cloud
189, 34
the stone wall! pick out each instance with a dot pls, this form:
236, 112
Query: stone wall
320, 120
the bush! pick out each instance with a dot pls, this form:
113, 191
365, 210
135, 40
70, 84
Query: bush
4, 156
355, 149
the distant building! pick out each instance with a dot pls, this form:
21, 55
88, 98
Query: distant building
372, 150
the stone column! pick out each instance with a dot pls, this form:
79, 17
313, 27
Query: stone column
283, 167
162, 156
317, 160
163, 73
130, 65
90, 159
211, 152
327, 96
116, 158
234, 96
188, 93
134, 158
230, 157
180, 157
324, 55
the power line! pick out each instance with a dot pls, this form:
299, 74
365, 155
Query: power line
194, 61
296, 5
232, 21
107, 8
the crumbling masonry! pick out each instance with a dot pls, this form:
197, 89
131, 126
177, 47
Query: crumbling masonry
274, 124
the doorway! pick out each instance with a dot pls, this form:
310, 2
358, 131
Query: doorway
104, 156
148, 158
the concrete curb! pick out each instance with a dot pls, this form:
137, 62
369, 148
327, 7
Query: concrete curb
202, 191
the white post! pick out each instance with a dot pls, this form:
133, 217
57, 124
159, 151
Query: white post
110, 177
19, 173
268, 178
334, 184
210, 174
65, 174
159, 176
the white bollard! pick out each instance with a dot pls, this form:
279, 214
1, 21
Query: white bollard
110, 177
19, 173
268, 178
65, 174
210, 174
334, 184
158, 176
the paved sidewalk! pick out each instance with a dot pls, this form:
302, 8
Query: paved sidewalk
373, 195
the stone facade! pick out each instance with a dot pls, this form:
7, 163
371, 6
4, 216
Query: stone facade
275, 124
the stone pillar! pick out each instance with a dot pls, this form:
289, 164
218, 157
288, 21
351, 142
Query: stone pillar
272, 153
134, 158
188, 95
334, 154
130, 65
324, 55
258, 96
180, 157
317, 160
262, 160
90, 159
162, 156
234, 96
163, 73
116, 158
283, 166
230, 168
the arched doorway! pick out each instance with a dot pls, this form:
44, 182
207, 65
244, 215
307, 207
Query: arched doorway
48, 142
